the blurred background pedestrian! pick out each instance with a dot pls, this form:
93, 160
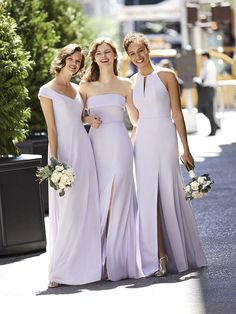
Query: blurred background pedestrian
206, 85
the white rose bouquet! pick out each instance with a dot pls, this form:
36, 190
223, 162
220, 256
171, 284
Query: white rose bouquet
198, 186
59, 175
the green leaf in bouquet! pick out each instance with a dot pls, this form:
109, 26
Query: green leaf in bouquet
53, 185
43, 173
54, 162
64, 165
62, 192
39, 174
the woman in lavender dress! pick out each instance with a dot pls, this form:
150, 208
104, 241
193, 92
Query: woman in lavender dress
168, 231
75, 241
106, 96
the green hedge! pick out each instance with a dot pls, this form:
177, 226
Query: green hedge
14, 69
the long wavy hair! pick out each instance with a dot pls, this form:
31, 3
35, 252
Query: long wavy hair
59, 60
92, 74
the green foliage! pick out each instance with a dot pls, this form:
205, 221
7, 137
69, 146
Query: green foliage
14, 69
45, 25
39, 38
70, 23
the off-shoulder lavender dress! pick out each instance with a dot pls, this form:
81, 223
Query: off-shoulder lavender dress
159, 183
74, 219
114, 162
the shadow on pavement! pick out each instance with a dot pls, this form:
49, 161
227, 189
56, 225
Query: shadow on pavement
12, 259
216, 218
129, 283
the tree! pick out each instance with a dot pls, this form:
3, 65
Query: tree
14, 69
39, 39
70, 23
45, 25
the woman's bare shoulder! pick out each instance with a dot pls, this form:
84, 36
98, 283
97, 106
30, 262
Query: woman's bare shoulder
125, 82
166, 73
84, 85
50, 84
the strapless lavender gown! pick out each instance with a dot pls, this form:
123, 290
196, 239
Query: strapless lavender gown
74, 219
160, 184
114, 161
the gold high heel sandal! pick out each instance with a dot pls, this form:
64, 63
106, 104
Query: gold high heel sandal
162, 267
53, 284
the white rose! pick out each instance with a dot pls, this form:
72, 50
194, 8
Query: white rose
194, 185
61, 186
55, 176
59, 168
201, 180
196, 195
69, 172
65, 179
71, 179
187, 188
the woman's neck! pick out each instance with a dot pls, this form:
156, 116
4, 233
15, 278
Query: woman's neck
147, 69
63, 79
106, 77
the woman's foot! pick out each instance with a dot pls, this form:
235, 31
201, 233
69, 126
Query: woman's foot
53, 284
162, 267
104, 273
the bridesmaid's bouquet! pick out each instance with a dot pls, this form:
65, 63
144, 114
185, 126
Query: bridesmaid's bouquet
199, 186
59, 175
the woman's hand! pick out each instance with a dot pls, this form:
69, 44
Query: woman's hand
94, 121
188, 160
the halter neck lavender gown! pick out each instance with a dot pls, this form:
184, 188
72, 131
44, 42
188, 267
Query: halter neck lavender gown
74, 239
159, 183
114, 161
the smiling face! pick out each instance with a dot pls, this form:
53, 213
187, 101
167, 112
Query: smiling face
139, 54
69, 58
104, 55
73, 62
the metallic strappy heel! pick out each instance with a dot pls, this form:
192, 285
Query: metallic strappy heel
53, 284
162, 271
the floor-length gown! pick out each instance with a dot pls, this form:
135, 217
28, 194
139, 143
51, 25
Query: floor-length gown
114, 158
74, 219
160, 184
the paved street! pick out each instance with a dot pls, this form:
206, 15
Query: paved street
23, 279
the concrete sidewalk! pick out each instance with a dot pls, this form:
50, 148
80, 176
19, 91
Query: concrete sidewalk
23, 279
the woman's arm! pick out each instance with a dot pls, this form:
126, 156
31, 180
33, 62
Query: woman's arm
47, 108
177, 115
94, 121
131, 109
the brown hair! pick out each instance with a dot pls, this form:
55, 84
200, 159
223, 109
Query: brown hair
132, 37
59, 60
92, 74
206, 54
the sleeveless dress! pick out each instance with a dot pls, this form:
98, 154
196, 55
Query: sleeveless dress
74, 220
160, 184
114, 162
